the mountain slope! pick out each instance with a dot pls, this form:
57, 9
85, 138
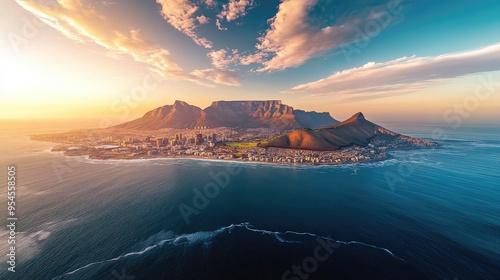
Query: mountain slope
313, 119
178, 115
353, 131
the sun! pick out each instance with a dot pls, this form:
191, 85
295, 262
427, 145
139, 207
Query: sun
16, 75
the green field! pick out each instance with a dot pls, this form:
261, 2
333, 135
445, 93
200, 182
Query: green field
244, 145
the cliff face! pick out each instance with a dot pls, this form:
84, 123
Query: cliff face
248, 114
244, 114
353, 131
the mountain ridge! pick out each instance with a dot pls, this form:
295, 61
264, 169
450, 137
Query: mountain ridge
236, 114
356, 130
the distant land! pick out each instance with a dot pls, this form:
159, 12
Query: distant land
234, 114
254, 131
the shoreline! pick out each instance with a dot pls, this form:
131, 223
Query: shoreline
290, 164
86, 153
101, 146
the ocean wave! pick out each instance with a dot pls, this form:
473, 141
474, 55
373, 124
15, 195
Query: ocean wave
456, 140
214, 162
125, 162
41, 151
374, 164
163, 238
485, 145
30, 243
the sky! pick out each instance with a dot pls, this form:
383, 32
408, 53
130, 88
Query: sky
434, 61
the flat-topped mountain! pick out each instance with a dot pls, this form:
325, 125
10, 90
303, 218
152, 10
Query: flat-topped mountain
354, 131
236, 114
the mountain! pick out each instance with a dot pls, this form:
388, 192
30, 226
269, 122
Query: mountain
269, 113
313, 119
236, 114
178, 115
354, 131
247, 114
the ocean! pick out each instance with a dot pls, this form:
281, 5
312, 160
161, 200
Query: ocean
425, 214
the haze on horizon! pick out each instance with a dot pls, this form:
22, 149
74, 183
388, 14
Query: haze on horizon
401, 60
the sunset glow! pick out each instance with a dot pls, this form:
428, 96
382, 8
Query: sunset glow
87, 58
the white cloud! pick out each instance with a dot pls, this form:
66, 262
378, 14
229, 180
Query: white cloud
210, 3
252, 58
235, 9
181, 15
83, 23
403, 75
219, 26
202, 19
292, 39
80, 22
224, 77
223, 58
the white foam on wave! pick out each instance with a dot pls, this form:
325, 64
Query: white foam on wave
485, 145
277, 234
156, 242
189, 238
45, 151
30, 243
216, 162
125, 162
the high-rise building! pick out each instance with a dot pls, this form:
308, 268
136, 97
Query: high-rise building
199, 138
178, 137
160, 142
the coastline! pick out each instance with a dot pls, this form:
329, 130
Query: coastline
377, 150
207, 159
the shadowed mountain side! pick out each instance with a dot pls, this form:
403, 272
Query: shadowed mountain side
313, 119
353, 131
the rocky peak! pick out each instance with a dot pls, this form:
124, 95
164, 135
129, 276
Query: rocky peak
359, 116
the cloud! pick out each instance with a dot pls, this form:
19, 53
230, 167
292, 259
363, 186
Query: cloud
222, 58
235, 9
202, 19
252, 58
403, 75
181, 15
224, 77
219, 26
83, 23
210, 3
292, 38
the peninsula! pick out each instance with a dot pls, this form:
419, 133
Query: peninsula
253, 131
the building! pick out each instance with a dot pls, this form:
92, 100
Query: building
161, 142
178, 137
199, 138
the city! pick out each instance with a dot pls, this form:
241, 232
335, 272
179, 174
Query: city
213, 143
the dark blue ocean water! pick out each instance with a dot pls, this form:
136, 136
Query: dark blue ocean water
426, 214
